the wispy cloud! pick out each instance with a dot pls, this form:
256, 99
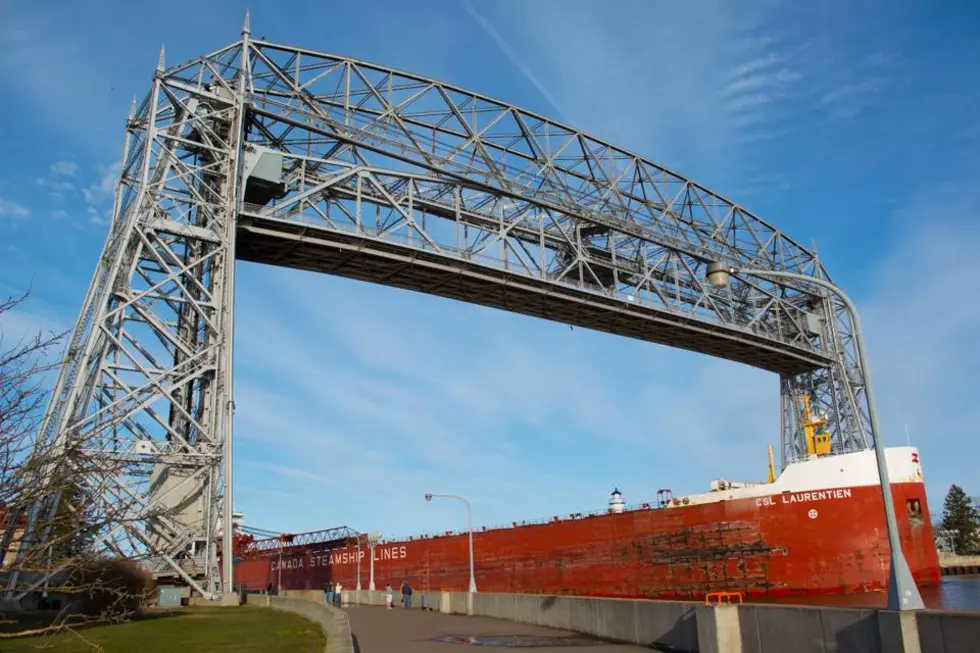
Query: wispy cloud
98, 196
511, 55
852, 87
88, 189
100, 192
847, 99
59, 178
65, 168
11, 209
715, 77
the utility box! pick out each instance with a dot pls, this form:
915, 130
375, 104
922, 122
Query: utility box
262, 170
169, 597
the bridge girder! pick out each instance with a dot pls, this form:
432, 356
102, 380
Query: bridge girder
381, 175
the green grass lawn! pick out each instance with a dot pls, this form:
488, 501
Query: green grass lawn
190, 630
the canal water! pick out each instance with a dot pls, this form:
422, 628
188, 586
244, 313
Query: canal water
953, 593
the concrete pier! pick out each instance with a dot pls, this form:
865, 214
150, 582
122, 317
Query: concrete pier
956, 565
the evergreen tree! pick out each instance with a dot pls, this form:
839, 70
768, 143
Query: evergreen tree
960, 515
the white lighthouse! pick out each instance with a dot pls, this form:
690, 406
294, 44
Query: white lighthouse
616, 502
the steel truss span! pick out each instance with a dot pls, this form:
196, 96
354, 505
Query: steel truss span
286, 156
330, 538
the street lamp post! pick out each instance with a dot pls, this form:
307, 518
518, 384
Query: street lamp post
469, 528
282, 539
372, 539
903, 594
358, 562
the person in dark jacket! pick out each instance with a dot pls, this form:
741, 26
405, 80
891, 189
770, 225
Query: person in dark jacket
406, 594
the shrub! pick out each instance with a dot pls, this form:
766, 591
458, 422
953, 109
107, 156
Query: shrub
110, 589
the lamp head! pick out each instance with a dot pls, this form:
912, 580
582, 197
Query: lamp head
719, 274
428, 496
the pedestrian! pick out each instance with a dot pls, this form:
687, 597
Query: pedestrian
389, 596
327, 594
406, 594
337, 597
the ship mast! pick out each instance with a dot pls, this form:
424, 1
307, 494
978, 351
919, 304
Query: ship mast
815, 428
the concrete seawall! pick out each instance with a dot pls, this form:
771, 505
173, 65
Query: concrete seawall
697, 628
332, 620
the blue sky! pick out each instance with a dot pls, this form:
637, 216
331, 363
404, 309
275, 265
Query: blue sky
850, 125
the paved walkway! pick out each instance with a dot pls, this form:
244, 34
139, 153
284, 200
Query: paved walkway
377, 630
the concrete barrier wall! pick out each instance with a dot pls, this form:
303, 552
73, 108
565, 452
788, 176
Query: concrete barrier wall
309, 595
332, 620
694, 627
664, 623
768, 628
949, 632
661, 623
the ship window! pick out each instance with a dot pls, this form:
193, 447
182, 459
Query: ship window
914, 507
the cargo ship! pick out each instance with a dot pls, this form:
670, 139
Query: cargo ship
816, 529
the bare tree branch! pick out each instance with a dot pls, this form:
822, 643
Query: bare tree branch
65, 553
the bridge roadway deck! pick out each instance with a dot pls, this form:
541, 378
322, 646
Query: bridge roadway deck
377, 630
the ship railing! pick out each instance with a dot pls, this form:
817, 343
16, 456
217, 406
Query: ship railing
268, 546
575, 516
722, 598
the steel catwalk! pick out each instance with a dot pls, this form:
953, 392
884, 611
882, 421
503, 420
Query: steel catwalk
287, 156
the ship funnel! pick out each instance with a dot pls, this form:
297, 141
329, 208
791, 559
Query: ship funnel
616, 502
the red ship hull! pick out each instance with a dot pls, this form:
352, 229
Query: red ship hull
828, 541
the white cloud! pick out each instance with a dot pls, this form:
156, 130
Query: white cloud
65, 168
57, 186
93, 189
854, 84
100, 192
760, 81
753, 66
11, 209
56, 181
95, 216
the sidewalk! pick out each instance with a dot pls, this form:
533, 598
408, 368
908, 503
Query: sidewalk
377, 630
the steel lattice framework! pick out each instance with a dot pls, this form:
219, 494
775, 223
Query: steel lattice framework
331, 538
286, 156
